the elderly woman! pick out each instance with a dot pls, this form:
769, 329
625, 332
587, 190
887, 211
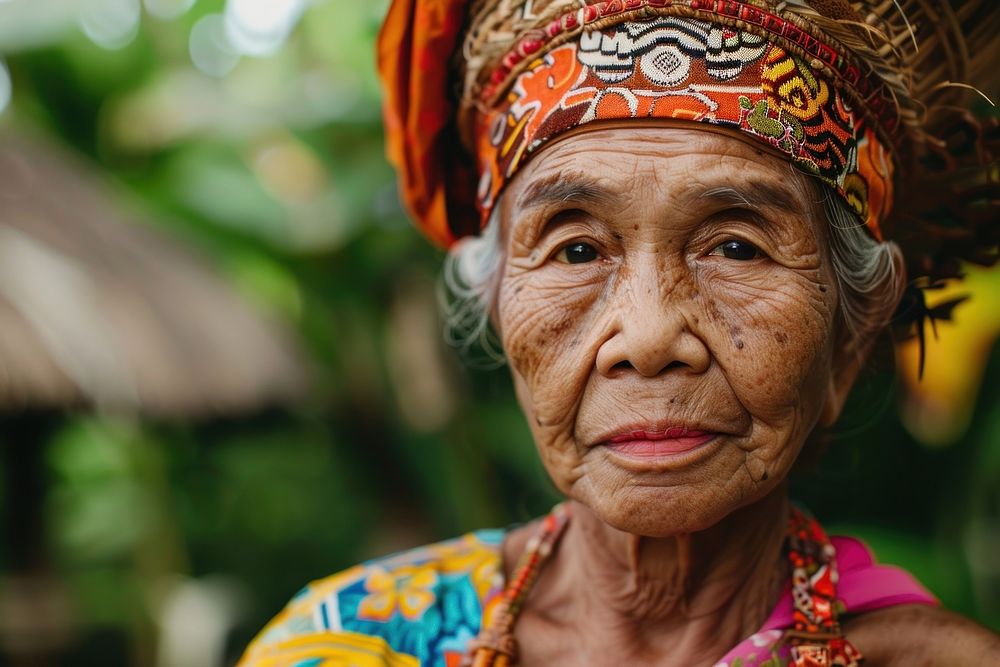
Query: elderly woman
675, 214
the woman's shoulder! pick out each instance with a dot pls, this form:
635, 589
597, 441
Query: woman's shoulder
920, 634
417, 607
893, 620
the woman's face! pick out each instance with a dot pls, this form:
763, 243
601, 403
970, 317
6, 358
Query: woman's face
662, 279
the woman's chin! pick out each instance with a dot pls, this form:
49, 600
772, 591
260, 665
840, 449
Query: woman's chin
665, 504
656, 511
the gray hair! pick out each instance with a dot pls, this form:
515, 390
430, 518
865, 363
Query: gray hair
867, 274
467, 291
869, 279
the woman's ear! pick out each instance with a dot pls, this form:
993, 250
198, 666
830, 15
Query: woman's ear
854, 347
847, 363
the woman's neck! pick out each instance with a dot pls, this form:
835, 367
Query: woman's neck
699, 593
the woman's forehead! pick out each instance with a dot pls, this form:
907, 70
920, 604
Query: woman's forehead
608, 164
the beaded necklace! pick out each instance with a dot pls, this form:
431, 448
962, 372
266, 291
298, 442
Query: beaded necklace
495, 646
815, 640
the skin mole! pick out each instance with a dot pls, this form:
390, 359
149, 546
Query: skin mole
734, 332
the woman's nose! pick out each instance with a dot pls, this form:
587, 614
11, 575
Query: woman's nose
652, 334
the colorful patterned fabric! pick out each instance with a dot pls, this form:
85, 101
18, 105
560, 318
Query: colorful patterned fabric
418, 608
733, 65
424, 607
815, 637
688, 69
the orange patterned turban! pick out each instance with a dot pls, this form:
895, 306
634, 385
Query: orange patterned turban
415, 46
726, 63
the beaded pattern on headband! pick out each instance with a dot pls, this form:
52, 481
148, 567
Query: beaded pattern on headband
677, 67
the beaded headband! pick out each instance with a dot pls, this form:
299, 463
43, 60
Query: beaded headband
725, 63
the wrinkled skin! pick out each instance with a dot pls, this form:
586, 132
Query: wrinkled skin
622, 305
660, 329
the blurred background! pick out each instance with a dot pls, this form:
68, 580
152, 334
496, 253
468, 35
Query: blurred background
223, 374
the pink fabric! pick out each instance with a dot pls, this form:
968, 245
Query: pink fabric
865, 585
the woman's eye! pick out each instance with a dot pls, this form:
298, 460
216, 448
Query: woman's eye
577, 253
740, 250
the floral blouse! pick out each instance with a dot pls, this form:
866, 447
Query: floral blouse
418, 608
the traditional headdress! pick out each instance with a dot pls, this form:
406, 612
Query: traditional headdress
870, 97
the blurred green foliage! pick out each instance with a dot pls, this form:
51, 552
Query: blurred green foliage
274, 170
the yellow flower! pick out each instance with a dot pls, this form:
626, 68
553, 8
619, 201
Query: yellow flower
408, 589
937, 410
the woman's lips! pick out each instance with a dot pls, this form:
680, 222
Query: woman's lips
641, 443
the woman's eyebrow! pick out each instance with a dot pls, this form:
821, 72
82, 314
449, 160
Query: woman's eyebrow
755, 194
557, 188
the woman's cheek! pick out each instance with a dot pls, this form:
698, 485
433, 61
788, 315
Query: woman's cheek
543, 321
776, 348
544, 331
